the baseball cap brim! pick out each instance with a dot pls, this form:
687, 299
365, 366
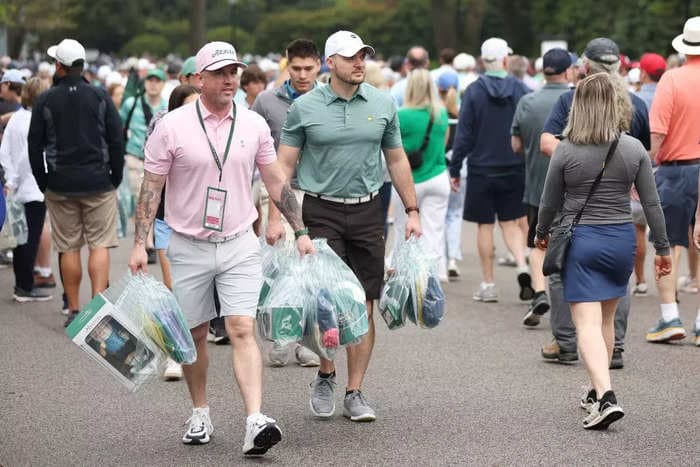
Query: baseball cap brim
217, 65
351, 51
51, 52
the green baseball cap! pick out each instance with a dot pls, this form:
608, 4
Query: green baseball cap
189, 67
158, 73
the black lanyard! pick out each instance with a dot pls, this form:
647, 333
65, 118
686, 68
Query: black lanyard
219, 163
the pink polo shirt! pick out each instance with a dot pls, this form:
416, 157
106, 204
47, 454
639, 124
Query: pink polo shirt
179, 149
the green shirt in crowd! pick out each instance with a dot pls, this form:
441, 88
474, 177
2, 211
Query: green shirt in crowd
414, 124
137, 125
341, 140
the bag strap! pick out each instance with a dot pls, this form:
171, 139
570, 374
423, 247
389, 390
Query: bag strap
426, 138
596, 182
131, 114
147, 113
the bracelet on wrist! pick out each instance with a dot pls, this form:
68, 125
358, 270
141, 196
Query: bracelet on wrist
300, 233
412, 208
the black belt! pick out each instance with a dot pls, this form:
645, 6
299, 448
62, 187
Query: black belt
683, 162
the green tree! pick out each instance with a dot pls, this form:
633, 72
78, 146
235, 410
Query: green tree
47, 19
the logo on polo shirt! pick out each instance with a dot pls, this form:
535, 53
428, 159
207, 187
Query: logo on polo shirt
218, 52
370, 118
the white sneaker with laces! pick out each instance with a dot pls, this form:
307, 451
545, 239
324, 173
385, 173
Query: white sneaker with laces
200, 427
452, 269
173, 371
261, 433
640, 289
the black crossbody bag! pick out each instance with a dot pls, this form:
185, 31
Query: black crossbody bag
560, 238
415, 158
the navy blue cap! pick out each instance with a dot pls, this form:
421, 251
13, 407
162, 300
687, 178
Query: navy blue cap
556, 61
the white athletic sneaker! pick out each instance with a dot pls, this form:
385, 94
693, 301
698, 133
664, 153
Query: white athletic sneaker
261, 434
687, 284
452, 269
200, 427
173, 371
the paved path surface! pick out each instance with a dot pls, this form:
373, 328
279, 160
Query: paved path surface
473, 391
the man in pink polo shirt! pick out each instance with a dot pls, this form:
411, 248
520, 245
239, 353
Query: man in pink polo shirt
207, 151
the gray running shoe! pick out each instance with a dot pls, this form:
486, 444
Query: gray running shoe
306, 357
322, 401
357, 409
486, 293
278, 355
538, 307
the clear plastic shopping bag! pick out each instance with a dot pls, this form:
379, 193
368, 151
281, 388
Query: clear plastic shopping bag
413, 288
17, 220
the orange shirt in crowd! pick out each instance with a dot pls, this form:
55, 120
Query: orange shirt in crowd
675, 112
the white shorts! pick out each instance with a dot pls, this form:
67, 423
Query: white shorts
234, 266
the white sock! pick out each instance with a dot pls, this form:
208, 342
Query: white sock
252, 417
487, 284
669, 311
43, 272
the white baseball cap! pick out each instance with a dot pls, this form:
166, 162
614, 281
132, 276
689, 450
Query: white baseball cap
67, 52
216, 55
495, 49
463, 61
345, 43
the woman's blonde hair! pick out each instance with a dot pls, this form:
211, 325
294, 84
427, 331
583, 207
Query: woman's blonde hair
598, 113
421, 91
31, 90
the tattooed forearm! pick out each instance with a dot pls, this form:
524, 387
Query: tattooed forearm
149, 199
289, 207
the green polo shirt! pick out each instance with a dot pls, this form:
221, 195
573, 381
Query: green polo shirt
341, 140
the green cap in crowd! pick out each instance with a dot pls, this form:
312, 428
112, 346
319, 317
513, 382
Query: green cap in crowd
188, 67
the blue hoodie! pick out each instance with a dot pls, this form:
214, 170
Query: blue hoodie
483, 130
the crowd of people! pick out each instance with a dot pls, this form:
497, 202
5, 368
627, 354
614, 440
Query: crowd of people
576, 157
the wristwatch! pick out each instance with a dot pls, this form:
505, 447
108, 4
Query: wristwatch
412, 208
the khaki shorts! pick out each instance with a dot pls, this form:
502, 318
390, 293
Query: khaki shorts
76, 220
234, 266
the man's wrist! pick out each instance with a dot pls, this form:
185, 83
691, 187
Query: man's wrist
411, 209
301, 233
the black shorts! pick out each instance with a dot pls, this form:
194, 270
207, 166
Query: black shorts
494, 195
355, 232
532, 213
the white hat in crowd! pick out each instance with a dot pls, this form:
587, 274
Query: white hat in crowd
114, 77
216, 55
463, 62
103, 71
494, 49
688, 43
67, 52
346, 44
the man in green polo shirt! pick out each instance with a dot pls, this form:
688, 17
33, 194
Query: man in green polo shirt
340, 131
136, 113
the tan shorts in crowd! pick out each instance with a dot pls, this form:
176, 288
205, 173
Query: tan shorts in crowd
83, 219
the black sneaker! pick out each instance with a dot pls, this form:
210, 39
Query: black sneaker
604, 412
71, 317
616, 363
588, 400
539, 306
152, 257
525, 283
34, 295
219, 333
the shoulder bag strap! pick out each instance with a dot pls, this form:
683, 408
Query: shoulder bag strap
596, 182
426, 138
